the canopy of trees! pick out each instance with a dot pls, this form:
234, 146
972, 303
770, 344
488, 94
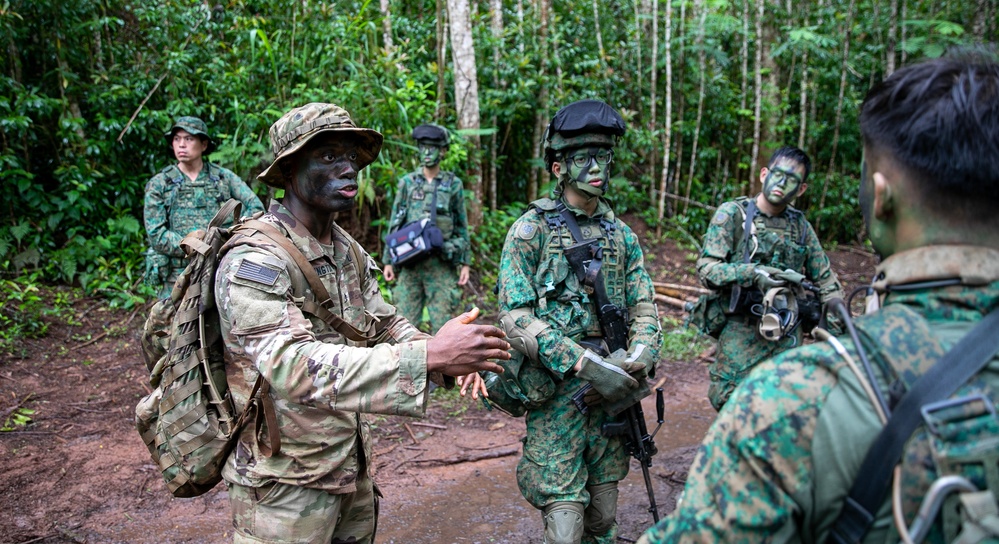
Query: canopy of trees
708, 87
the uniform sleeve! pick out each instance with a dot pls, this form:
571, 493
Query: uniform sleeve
518, 266
644, 327
398, 213
753, 477
717, 266
242, 192
818, 269
156, 217
459, 236
276, 336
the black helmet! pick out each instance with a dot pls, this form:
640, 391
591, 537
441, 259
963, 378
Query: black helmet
582, 123
429, 133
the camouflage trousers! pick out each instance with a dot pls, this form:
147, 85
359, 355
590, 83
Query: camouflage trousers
565, 454
740, 348
284, 513
432, 283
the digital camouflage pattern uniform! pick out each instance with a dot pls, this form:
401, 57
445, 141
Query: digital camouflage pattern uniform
320, 382
434, 281
780, 459
175, 206
785, 241
565, 455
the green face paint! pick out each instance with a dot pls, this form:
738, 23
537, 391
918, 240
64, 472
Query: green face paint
782, 183
430, 155
588, 169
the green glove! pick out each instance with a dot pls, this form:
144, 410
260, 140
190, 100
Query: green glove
790, 276
610, 376
765, 278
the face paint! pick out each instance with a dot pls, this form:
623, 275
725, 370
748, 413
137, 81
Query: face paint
588, 169
875, 228
430, 155
782, 183
326, 172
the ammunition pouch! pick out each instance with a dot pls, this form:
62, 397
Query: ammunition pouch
523, 385
708, 314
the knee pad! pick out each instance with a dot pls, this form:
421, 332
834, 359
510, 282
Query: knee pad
563, 523
601, 514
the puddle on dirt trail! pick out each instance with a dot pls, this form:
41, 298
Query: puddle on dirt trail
484, 505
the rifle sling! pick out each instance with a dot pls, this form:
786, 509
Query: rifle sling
952, 371
747, 230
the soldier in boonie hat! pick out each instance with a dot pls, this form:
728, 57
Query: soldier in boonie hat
193, 126
295, 128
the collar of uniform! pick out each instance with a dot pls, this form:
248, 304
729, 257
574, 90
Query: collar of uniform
418, 174
300, 236
975, 265
603, 209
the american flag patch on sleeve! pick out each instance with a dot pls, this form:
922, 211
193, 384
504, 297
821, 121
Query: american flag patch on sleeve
251, 271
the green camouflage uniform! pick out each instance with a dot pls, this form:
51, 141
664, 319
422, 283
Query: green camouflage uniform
780, 459
433, 282
320, 383
176, 206
786, 241
564, 451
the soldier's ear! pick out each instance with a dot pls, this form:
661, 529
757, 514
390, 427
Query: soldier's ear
556, 167
884, 200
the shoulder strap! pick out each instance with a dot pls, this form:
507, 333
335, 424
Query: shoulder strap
433, 204
321, 310
953, 370
747, 229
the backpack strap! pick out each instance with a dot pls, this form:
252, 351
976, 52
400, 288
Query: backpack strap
320, 309
952, 371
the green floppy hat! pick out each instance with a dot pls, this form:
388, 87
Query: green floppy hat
194, 126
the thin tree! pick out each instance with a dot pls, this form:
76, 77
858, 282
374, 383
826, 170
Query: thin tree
653, 99
758, 95
803, 99
892, 37
466, 98
844, 68
668, 124
496, 25
541, 116
441, 56
743, 86
701, 68
386, 25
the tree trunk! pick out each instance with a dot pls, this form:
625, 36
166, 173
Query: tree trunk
386, 25
892, 37
496, 8
466, 99
758, 98
653, 98
744, 86
441, 56
839, 107
668, 125
541, 116
701, 68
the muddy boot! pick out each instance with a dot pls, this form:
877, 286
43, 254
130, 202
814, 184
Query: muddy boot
600, 516
563, 523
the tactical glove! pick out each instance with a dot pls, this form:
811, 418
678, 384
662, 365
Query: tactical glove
765, 279
610, 376
790, 276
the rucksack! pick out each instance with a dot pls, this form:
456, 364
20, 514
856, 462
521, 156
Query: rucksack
188, 421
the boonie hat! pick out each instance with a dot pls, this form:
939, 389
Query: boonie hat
295, 128
193, 126
429, 133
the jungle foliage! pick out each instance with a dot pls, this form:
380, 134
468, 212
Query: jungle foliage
90, 86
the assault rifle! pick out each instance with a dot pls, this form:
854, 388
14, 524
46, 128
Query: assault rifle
585, 259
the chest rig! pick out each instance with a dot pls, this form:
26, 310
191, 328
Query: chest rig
555, 279
214, 193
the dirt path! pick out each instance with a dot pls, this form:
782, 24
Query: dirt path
79, 472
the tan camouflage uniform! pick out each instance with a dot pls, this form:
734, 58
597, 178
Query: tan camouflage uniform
778, 462
786, 241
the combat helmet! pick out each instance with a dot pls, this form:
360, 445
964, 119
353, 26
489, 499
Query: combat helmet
193, 126
582, 123
295, 128
429, 133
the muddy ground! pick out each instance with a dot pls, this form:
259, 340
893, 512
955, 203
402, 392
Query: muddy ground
79, 472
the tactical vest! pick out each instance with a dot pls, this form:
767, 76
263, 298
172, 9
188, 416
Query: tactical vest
183, 189
775, 241
560, 299
415, 204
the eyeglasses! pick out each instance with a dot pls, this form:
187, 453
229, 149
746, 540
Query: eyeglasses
581, 160
778, 175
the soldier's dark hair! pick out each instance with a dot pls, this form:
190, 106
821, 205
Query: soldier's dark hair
939, 120
792, 153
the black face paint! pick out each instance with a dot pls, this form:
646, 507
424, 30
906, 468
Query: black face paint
325, 174
584, 160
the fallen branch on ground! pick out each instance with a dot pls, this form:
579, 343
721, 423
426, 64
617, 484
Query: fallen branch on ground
469, 457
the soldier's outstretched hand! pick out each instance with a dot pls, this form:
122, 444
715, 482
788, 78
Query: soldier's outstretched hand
473, 382
460, 348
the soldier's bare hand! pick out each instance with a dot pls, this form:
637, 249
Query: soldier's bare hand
460, 348
388, 272
474, 382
